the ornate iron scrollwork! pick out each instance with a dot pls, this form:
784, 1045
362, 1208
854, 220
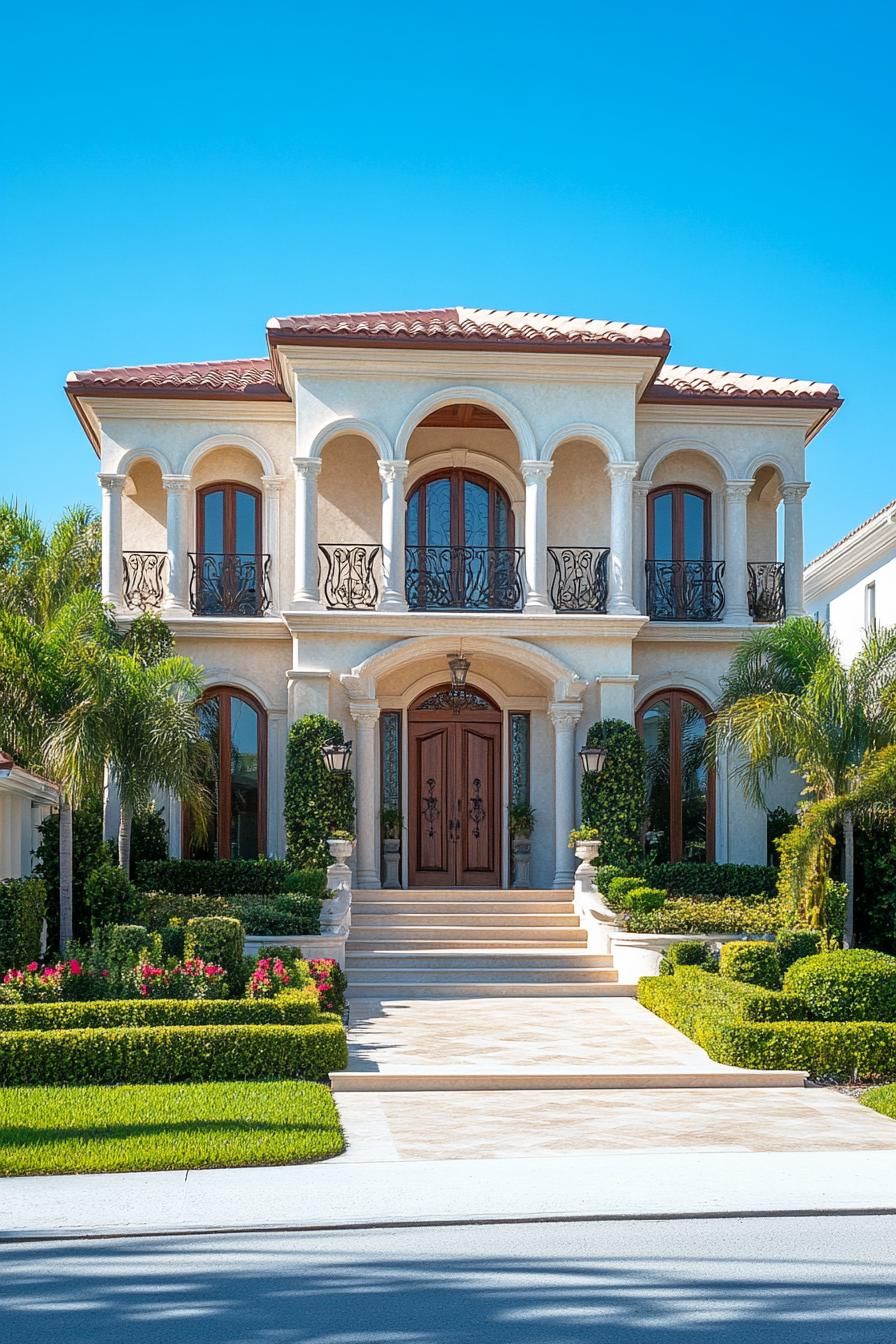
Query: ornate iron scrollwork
430, 807
455, 700
464, 578
685, 590
477, 808
765, 590
579, 582
143, 587
230, 584
350, 583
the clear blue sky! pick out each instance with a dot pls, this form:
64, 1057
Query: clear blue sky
173, 175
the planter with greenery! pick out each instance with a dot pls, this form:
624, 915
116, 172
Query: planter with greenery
317, 803
613, 801
391, 821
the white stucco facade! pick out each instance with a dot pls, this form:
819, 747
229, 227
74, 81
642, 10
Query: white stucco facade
852, 586
26, 801
578, 450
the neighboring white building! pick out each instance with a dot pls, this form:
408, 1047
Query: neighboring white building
593, 528
852, 585
26, 801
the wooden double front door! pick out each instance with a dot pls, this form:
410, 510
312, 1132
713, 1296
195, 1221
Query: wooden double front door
454, 823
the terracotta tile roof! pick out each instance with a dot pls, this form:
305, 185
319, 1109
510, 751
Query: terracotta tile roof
220, 378
680, 381
470, 327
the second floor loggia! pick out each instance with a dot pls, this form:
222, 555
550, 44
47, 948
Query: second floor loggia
454, 529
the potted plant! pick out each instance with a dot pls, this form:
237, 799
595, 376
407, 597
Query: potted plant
391, 820
520, 823
340, 845
585, 840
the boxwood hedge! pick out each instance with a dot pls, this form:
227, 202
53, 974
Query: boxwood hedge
228, 877
172, 1054
846, 986
296, 1008
283, 914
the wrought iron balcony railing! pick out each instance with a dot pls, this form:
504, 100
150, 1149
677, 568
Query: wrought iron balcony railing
143, 575
350, 582
765, 590
579, 580
685, 590
464, 578
229, 584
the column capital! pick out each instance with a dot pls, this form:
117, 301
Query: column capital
391, 470
793, 491
308, 467
622, 471
534, 470
564, 716
738, 489
112, 480
272, 484
366, 713
640, 487
174, 483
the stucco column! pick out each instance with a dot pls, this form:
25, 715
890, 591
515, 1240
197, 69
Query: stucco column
564, 717
535, 476
366, 716
621, 475
177, 582
112, 485
793, 493
737, 610
305, 592
270, 537
640, 491
392, 476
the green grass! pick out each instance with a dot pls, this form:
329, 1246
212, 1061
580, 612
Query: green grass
165, 1126
881, 1099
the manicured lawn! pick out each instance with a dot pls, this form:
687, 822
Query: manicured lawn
157, 1127
881, 1099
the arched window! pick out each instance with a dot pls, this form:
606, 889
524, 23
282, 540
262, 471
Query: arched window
229, 577
235, 726
679, 811
460, 550
683, 583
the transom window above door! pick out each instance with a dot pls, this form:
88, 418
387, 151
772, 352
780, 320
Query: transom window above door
460, 544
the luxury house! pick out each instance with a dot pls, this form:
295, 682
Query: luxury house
851, 587
588, 527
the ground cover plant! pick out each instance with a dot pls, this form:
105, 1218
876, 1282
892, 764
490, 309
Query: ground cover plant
881, 1099
167, 1127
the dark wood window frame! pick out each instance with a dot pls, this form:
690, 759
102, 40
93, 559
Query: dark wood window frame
678, 493
229, 489
225, 694
456, 476
675, 697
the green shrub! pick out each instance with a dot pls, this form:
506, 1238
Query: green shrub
604, 875
310, 882
692, 993
856, 985
149, 836
214, 877
172, 1054
682, 915
642, 900
23, 908
753, 963
172, 936
110, 896
613, 801
794, 944
687, 954
280, 915
746, 881
122, 946
219, 940
88, 852
293, 1009
618, 890
316, 802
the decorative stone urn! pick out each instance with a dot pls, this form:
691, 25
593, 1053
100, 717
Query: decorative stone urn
335, 914
521, 853
340, 849
587, 851
392, 857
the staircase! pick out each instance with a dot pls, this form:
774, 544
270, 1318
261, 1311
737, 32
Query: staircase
472, 944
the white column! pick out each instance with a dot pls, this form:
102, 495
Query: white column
112, 485
621, 475
792, 494
640, 491
270, 536
366, 716
392, 475
276, 842
564, 717
305, 593
737, 610
535, 476
177, 503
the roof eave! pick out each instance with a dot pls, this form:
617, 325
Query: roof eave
656, 395
277, 336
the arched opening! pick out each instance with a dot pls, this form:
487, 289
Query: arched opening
454, 790
683, 581
679, 811
235, 726
144, 529
230, 569
349, 521
765, 572
460, 543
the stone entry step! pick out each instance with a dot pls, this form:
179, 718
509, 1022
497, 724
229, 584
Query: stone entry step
367, 918
568, 1079
411, 910
523, 988
401, 933
416, 896
523, 959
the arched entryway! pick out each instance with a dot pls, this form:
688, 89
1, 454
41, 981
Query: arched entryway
460, 544
454, 790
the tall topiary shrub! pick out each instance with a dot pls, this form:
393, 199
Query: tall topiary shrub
613, 801
23, 906
316, 803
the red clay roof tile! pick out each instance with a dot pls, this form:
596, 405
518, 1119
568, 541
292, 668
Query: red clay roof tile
683, 381
251, 378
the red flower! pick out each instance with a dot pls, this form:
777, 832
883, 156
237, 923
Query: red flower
74, 967
32, 966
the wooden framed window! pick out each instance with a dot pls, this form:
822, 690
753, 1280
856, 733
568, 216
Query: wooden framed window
679, 523
679, 816
235, 726
228, 519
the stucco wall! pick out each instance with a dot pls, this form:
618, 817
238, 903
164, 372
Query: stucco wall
579, 496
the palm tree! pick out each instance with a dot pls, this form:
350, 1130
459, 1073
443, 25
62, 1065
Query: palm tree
40, 570
49, 671
788, 697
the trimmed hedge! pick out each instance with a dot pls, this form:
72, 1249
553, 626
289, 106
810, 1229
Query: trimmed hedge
214, 877
852, 986
744, 880
687, 954
110, 896
751, 963
618, 889
294, 1009
172, 1054
692, 993
23, 908
794, 944
685, 915
281, 914
219, 940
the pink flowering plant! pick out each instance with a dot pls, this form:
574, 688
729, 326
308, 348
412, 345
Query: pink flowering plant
268, 978
329, 979
39, 984
191, 979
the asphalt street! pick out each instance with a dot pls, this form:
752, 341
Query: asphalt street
828, 1280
